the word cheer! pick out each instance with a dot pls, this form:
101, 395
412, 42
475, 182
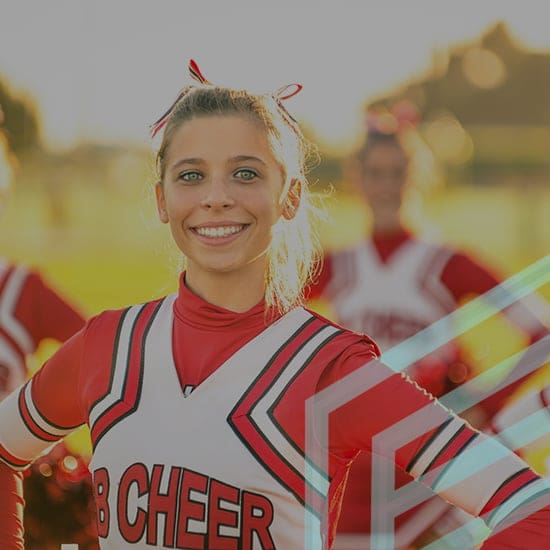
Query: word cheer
197, 511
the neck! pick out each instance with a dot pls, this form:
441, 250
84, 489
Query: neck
232, 291
388, 223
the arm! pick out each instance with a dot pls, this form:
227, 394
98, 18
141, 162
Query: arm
466, 277
44, 312
32, 419
470, 470
30, 313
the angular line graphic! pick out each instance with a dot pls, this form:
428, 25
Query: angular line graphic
388, 502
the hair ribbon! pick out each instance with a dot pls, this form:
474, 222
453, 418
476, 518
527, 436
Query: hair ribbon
197, 75
281, 94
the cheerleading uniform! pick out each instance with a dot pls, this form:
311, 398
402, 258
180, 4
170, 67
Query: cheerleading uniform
198, 423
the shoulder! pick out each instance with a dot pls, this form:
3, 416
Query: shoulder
471, 268
348, 250
454, 255
20, 279
101, 337
335, 269
334, 353
347, 339
108, 322
23, 270
433, 245
344, 354
325, 320
17, 272
434, 256
20, 282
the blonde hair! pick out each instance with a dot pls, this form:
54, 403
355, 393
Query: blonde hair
295, 249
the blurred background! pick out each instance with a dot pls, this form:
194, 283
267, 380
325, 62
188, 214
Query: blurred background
81, 81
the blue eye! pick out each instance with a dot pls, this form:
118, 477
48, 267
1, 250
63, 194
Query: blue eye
246, 174
191, 175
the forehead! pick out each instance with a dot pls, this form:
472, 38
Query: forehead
386, 153
218, 136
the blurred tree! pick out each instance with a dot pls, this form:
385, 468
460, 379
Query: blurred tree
21, 123
493, 80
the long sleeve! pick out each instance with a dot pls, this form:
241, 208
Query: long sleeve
395, 419
466, 277
521, 533
25, 432
30, 312
50, 405
44, 409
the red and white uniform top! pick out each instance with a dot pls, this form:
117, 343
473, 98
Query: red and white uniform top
392, 300
224, 441
30, 311
188, 455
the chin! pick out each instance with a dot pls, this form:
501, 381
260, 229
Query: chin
222, 268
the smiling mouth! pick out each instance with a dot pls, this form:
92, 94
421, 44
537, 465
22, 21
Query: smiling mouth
219, 231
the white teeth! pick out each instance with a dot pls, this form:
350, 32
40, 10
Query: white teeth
218, 231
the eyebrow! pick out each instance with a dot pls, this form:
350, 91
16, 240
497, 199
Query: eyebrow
243, 158
232, 160
187, 161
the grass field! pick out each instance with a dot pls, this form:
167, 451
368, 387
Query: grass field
106, 249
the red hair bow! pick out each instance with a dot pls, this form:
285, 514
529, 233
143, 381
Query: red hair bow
197, 75
404, 114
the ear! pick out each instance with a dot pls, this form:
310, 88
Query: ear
292, 199
161, 202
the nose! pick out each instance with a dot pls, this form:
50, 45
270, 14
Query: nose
217, 195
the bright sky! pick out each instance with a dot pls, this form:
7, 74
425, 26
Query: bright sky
105, 69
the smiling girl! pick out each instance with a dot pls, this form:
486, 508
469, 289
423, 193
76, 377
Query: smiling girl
196, 402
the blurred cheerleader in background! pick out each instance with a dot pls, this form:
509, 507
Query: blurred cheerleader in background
58, 487
393, 284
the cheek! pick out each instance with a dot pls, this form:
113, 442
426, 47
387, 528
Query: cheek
268, 216
369, 190
265, 206
398, 190
179, 201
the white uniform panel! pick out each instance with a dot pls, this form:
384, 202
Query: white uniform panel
192, 433
390, 301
